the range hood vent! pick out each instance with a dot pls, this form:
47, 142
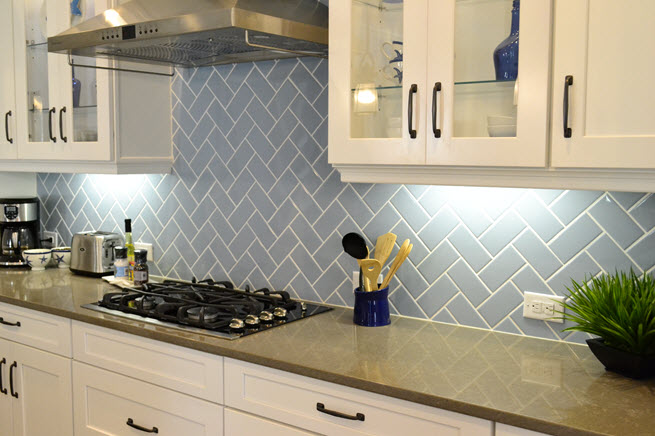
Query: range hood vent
195, 33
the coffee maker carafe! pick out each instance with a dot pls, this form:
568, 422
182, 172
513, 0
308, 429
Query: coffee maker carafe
19, 229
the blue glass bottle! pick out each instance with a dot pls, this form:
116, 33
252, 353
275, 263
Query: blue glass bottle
506, 55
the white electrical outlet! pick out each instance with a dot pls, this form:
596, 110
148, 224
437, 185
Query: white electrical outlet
145, 246
355, 280
543, 307
51, 235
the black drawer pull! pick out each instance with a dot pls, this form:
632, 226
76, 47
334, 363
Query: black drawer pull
2, 388
435, 90
50, 112
568, 81
321, 408
9, 139
62, 111
13, 324
11, 379
410, 110
131, 423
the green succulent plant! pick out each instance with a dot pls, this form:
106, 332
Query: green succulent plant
620, 308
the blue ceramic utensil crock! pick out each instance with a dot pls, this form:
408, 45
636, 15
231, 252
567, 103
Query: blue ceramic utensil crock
372, 308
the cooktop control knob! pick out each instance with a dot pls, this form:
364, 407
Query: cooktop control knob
237, 324
280, 313
252, 321
266, 316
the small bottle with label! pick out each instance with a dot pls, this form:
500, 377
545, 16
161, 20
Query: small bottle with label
121, 264
140, 267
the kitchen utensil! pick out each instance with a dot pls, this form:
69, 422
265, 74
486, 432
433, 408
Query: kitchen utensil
371, 269
404, 251
355, 245
384, 247
92, 253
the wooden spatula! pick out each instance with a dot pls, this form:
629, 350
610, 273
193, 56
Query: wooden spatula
404, 251
384, 247
371, 269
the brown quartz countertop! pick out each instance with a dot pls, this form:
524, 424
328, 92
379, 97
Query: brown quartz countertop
546, 386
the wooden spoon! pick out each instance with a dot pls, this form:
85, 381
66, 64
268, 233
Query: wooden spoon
404, 251
371, 269
384, 247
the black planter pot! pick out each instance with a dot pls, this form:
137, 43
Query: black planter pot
631, 365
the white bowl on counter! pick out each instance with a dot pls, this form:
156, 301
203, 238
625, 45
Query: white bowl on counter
37, 258
61, 256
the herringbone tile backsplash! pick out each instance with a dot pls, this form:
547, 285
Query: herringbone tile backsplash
252, 199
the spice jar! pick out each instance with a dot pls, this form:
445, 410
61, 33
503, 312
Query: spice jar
140, 267
121, 263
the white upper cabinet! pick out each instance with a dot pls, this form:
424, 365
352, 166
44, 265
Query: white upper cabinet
377, 81
482, 114
7, 84
606, 48
71, 116
414, 82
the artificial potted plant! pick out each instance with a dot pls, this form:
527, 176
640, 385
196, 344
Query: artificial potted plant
620, 309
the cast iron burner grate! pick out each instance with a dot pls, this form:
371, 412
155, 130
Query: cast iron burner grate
209, 307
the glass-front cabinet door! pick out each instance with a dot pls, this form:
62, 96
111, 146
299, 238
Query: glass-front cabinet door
60, 102
488, 63
34, 67
7, 83
377, 81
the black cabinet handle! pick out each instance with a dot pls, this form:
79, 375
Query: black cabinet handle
2, 388
7, 115
435, 90
50, 112
11, 379
568, 81
321, 408
131, 423
61, 124
410, 110
13, 324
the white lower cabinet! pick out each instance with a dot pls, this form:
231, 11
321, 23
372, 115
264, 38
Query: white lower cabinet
36, 392
332, 409
112, 404
239, 424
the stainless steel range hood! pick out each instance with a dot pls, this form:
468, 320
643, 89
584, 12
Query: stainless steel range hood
194, 33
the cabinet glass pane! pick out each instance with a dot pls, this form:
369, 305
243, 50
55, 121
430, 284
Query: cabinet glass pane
37, 70
83, 83
486, 68
376, 68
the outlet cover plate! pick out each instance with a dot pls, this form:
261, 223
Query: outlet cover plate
54, 236
543, 307
145, 246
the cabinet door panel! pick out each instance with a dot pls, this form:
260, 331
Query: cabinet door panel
7, 84
377, 53
485, 117
6, 414
43, 384
105, 402
605, 47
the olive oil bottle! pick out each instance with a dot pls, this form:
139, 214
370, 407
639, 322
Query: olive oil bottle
129, 244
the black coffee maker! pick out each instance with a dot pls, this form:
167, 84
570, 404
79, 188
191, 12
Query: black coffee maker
19, 229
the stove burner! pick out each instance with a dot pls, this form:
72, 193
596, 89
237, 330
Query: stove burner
203, 314
208, 306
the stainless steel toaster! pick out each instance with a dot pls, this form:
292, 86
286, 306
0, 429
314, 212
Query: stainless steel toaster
92, 253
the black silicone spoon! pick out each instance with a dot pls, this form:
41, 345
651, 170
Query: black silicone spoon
355, 245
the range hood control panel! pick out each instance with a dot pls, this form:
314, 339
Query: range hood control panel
125, 33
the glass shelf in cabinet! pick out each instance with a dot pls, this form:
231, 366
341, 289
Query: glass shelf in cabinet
384, 88
36, 44
482, 82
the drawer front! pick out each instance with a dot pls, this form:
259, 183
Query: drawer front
37, 329
180, 369
104, 403
294, 400
239, 424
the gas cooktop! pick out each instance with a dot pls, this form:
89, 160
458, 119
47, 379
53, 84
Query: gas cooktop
207, 307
